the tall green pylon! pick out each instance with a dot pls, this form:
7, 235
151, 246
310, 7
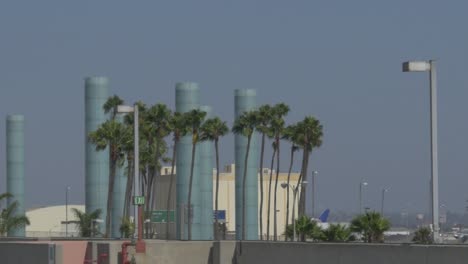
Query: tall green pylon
96, 162
206, 183
245, 100
15, 167
187, 99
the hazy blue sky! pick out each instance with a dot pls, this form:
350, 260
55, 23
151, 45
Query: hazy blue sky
337, 60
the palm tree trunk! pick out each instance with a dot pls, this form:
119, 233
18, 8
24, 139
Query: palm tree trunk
128, 187
287, 190
275, 215
305, 165
190, 210
299, 180
262, 150
152, 188
216, 190
110, 194
157, 175
249, 138
171, 182
148, 199
269, 193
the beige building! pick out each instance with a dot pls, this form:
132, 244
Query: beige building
227, 196
50, 221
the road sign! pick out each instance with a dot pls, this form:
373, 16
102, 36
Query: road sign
138, 200
220, 214
160, 216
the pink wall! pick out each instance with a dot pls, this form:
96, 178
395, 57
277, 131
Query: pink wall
73, 251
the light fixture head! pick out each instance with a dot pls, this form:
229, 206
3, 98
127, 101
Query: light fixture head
416, 66
125, 109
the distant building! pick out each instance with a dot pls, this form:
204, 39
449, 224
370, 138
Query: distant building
50, 221
227, 197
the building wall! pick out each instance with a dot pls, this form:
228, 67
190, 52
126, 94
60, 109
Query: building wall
227, 197
50, 221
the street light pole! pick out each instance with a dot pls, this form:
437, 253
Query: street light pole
294, 211
295, 191
314, 173
136, 170
361, 183
384, 190
66, 211
423, 66
138, 209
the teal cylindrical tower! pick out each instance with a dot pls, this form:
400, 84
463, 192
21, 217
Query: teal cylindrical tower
118, 198
187, 98
245, 100
96, 162
206, 183
15, 167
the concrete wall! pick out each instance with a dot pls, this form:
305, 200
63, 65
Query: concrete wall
179, 252
229, 252
27, 253
271, 253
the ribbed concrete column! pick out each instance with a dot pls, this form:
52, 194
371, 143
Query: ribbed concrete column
119, 195
206, 183
15, 167
245, 100
187, 98
96, 162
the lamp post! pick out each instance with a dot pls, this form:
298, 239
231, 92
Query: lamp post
66, 210
430, 66
138, 210
295, 190
314, 173
361, 184
384, 190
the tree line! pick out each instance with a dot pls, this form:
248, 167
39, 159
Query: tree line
158, 122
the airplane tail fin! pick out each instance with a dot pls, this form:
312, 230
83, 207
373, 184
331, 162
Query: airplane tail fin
324, 216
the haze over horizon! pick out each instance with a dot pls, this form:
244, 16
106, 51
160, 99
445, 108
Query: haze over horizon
339, 61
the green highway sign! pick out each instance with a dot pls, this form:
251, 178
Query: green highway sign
160, 216
138, 200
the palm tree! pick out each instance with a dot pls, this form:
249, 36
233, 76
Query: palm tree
305, 228
86, 222
110, 106
179, 129
337, 233
8, 220
423, 236
127, 227
277, 126
158, 118
273, 145
264, 119
111, 134
194, 121
289, 134
309, 136
371, 226
212, 130
245, 125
